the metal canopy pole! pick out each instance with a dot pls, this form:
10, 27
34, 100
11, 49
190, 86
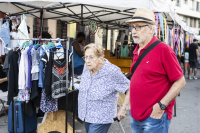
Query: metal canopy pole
27, 5
41, 22
106, 36
81, 15
67, 86
74, 109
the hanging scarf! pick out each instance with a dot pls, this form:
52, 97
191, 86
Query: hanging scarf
165, 30
161, 23
177, 34
171, 38
174, 36
157, 24
168, 38
159, 32
181, 40
177, 47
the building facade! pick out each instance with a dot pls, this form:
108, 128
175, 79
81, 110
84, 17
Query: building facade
189, 11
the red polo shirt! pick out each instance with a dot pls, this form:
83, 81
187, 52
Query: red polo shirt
152, 79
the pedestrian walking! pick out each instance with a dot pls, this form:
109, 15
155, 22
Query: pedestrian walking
193, 58
187, 66
98, 91
156, 81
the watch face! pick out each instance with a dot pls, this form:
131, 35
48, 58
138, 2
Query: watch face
163, 107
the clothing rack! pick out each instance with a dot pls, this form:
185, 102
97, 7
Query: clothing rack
58, 39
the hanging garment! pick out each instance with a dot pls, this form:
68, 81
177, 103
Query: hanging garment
58, 79
24, 92
124, 51
35, 55
23, 71
48, 104
24, 95
48, 60
1, 49
41, 68
23, 31
29, 67
5, 36
13, 75
1, 22
14, 43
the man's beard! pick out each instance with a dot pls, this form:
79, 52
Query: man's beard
138, 40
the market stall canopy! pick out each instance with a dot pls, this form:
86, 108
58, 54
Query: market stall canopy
106, 12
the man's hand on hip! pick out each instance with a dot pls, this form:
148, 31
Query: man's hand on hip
157, 112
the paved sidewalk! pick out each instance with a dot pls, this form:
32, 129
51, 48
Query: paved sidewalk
186, 121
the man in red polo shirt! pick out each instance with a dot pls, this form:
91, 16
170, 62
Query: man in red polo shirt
157, 80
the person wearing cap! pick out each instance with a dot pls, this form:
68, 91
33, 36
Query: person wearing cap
157, 80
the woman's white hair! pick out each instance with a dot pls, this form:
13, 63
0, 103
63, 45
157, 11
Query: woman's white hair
154, 29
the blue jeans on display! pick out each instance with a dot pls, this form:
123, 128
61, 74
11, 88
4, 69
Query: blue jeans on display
96, 128
150, 125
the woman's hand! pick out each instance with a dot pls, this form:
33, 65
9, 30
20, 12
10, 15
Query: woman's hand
121, 114
3, 80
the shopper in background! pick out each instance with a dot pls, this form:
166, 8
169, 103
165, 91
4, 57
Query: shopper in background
157, 80
187, 66
78, 53
98, 91
193, 58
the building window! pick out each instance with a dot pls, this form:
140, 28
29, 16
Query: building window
199, 32
185, 1
199, 23
194, 23
178, 3
192, 5
197, 6
185, 19
191, 22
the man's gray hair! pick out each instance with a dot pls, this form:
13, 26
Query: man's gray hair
154, 29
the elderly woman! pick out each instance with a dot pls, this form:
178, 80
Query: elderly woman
98, 93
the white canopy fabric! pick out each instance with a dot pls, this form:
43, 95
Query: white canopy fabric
107, 3
113, 13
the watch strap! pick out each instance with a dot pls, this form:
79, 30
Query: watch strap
125, 108
162, 105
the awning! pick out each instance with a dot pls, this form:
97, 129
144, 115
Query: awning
106, 12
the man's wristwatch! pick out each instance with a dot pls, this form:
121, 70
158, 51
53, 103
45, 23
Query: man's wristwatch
162, 106
127, 109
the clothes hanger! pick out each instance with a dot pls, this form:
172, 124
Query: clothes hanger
31, 40
59, 46
17, 46
36, 44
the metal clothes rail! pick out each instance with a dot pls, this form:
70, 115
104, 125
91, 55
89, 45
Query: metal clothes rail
67, 83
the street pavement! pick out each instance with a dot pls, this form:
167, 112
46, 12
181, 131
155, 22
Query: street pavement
187, 118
